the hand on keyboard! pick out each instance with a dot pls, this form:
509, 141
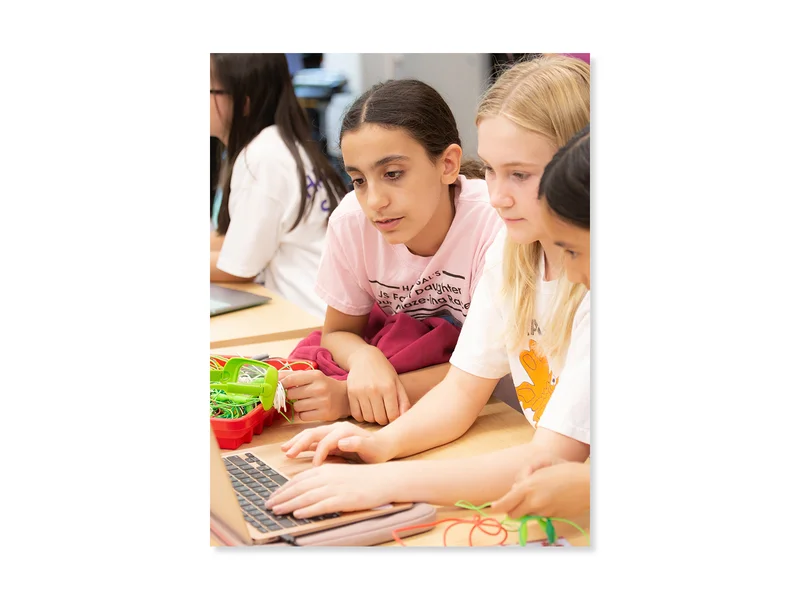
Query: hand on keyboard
337, 488
340, 439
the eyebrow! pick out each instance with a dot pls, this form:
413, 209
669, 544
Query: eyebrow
513, 163
385, 160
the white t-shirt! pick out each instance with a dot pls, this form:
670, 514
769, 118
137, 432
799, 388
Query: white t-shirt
263, 205
551, 396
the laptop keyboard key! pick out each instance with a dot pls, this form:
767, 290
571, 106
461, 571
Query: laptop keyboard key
261, 517
284, 521
279, 479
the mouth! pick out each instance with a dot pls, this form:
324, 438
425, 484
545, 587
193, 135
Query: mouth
387, 224
507, 220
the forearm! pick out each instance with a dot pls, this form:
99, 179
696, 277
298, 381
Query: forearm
216, 241
343, 346
420, 382
442, 415
477, 479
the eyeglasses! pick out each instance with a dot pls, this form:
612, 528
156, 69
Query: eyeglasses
218, 92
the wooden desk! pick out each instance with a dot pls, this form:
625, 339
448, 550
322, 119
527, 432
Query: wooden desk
498, 426
279, 349
274, 321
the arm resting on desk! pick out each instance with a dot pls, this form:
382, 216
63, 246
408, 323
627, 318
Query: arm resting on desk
420, 382
482, 478
442, 415
341, 334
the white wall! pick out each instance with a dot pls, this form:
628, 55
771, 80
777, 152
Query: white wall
459, 78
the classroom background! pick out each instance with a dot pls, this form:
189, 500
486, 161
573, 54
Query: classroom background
326, 84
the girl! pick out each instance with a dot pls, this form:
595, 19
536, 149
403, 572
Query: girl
561, 490
523, 319
275, 199
411, 238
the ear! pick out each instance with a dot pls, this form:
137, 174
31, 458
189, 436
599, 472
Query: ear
451, 163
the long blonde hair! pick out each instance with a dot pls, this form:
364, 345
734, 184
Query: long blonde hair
548, 96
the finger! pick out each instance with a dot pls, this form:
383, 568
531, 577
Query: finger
306, 405
355, 407
331, 452
379, 409
366, 408
295, 378
328, 505
309, 497
311, 416
291, 441
302, 392
509, 501
391, 405
357, 446
326, 444
306, 438
526, 506
287, 491
403, 400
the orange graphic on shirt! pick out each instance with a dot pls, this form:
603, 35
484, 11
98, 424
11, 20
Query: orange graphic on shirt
534, 395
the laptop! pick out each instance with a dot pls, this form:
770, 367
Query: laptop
225, 300
242, 481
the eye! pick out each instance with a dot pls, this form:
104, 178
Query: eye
520, 176
488, 170
393, 175
571, 253
358, 182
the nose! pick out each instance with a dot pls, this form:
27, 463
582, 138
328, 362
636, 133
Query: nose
377, 199
499, 197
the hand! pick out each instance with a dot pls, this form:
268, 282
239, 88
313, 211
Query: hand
374, 389
339, 439
317, 397
560, 490
334, 488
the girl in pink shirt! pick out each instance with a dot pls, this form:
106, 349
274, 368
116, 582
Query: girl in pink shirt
410, 237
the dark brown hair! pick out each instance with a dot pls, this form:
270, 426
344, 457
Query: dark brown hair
265, 80
565, 182
418, 109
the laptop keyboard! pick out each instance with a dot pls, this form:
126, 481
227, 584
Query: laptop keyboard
254, 481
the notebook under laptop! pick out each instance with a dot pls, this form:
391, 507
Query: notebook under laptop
225, 300
241, 481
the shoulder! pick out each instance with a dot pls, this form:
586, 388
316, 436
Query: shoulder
266, 149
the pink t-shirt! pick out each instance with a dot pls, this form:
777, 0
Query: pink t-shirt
360, 268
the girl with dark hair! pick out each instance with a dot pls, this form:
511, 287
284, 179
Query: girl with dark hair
410, 237
276, 188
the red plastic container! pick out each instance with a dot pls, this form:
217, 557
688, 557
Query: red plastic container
232, 433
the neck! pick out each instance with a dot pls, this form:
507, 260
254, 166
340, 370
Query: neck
552, 260
429, 240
